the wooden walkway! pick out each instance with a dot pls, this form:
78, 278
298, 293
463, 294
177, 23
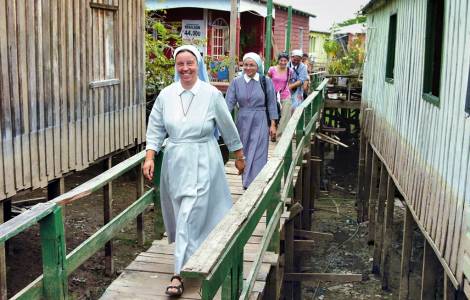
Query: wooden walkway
149, 274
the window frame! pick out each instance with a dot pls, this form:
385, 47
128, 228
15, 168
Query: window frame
391, 48
434, 50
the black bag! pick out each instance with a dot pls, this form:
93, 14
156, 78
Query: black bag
223, 150
263, 86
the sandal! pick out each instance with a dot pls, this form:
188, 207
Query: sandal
179, 288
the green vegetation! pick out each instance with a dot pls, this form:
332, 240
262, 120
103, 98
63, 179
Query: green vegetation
160, 40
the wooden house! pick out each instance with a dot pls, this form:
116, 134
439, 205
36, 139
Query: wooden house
71, 86
212, 18
415, 92
316, 49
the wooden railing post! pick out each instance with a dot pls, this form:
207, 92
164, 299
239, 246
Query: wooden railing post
140, 217
274, 244
53, 256
107, 216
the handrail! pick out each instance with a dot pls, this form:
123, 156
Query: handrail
219, 260
57, 266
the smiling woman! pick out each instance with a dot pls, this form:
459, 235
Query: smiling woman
193, 189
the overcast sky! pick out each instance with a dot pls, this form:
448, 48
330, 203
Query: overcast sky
327, 11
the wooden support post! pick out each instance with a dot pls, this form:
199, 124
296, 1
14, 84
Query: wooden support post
298, 197
306, 196
140, 217
373, 195
315, 171
431, 267
107, 216
55, 188
367, 183
379, 220
3, 262
361, 175
388, 234
407, 249
289, 256
449, 290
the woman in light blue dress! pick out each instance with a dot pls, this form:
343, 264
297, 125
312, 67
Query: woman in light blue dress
252, 118
193, 187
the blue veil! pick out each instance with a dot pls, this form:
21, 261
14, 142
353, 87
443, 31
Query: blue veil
201, 66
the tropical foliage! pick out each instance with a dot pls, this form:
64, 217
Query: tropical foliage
160, 41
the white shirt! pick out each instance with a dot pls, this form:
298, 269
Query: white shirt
248, 78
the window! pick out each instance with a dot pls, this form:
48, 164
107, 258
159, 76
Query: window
301, 45
314, 41
467, 103
433, 51
220, 37
392, 41
103, 24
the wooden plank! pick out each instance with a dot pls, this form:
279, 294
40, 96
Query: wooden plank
107, 232
342, 104
103, 6
313, 235
25, 220
62, 93
3, 262
99, 181
15, 107
336, 278
407, 249
7, 129
70, 15
55, 86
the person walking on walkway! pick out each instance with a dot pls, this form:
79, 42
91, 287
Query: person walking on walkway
256, 120
298, 79
280, 76
193, 188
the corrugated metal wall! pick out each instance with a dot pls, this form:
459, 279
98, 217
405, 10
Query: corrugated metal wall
426, 147
71, 86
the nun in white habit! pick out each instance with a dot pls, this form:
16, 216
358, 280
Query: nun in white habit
193, 187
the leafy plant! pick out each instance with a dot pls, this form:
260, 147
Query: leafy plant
160, 41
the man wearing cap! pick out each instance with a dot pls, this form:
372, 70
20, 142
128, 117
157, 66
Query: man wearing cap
299, 77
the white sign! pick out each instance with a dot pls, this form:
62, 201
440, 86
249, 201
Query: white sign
194, 32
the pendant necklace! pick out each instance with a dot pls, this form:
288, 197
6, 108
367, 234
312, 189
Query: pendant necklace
185, 113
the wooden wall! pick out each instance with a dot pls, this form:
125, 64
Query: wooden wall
425, 148
71, 86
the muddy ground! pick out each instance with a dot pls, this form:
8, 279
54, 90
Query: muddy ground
349, 252
82, 219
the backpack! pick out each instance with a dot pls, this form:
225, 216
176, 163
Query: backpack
278, 105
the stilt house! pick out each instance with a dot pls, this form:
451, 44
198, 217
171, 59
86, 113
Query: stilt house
71, 86
415, 123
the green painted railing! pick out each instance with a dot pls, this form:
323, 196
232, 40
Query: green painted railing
219, 260
57, 265
316, 79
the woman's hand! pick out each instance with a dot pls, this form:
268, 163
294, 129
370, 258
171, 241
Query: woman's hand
149, 165
273, 131
240, 165
148, 169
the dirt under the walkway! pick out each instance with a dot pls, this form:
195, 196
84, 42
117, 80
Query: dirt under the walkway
349, 252
82, 219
